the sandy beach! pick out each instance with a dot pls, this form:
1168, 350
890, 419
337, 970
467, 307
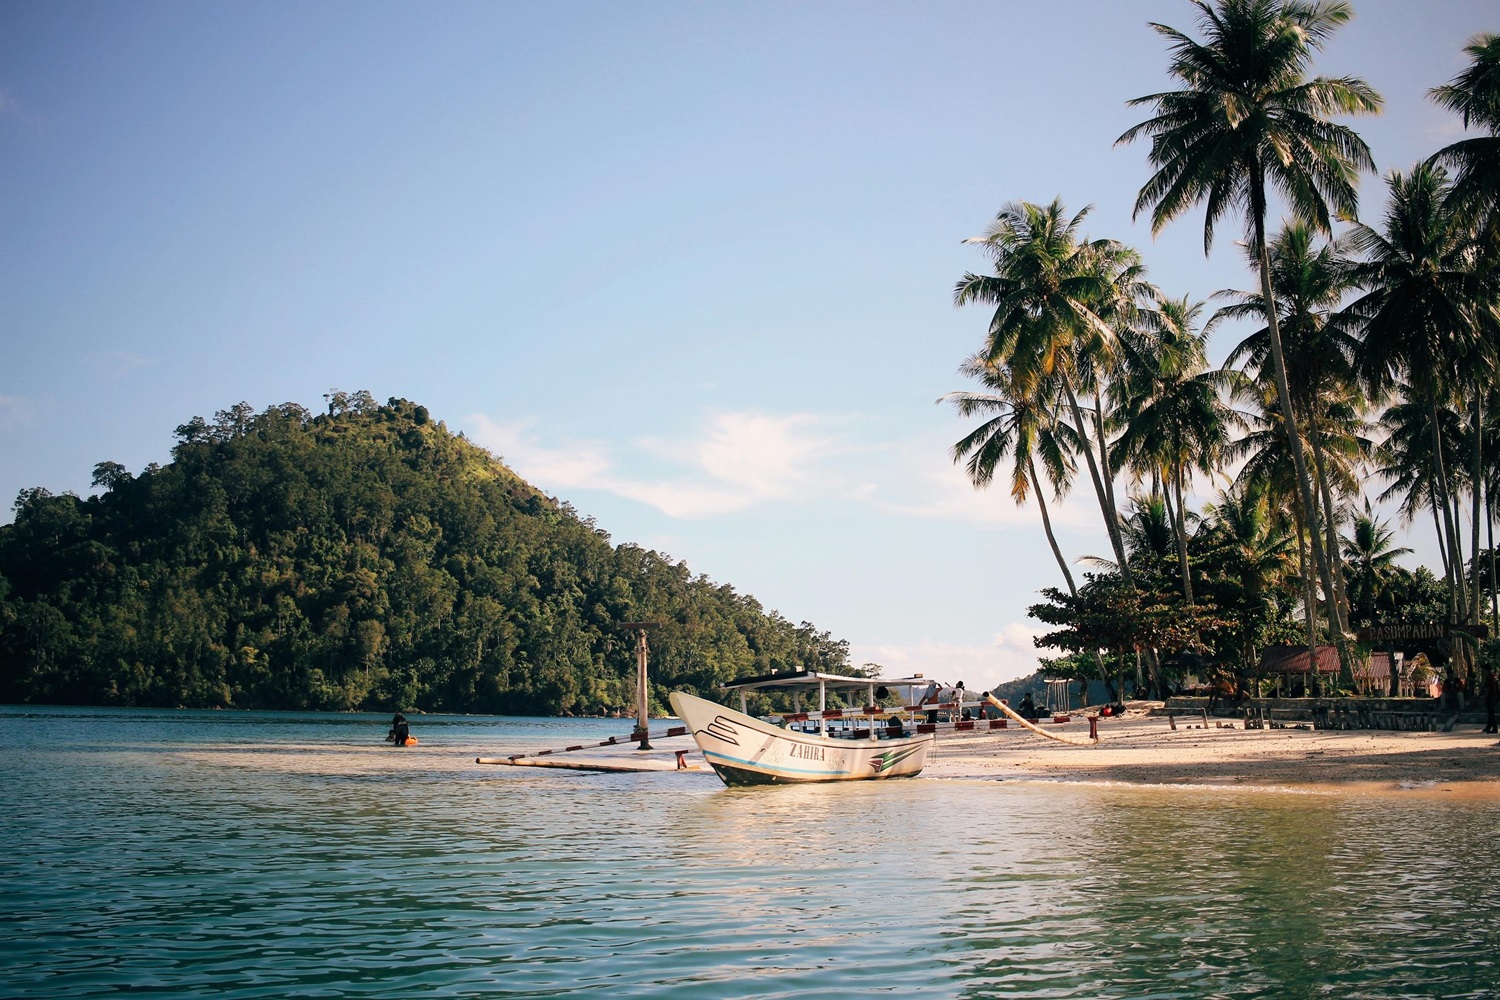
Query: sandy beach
1144, 749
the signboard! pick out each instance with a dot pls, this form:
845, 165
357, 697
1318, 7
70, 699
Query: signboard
1421, 631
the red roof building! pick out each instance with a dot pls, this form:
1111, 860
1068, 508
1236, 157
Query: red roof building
1294, 660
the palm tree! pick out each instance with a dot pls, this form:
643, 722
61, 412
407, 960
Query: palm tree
1475, 95
1268, 467
1018, 426
1172, 407
1248, 551
1421, 317
1051, 291
1371, 551
1406, 460
1310, 283
1248, 115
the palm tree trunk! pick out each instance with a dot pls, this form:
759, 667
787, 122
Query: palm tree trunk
1477, 478
1041, 503
1489, 528
1440, 487
1111, 519
1309, 603
1437, 526
1289, 420
1309, 600
1338, 622
1109, 475
1330, 521
1182, 553
1062, 563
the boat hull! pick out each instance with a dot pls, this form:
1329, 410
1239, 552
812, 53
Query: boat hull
746, 751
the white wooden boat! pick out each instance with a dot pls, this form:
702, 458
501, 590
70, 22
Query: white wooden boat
744, 750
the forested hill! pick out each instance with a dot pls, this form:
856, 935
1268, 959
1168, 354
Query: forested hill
364, 558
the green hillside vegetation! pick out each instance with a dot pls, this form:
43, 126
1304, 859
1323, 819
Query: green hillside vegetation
364, 558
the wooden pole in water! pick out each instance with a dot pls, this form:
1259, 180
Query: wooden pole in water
642, 701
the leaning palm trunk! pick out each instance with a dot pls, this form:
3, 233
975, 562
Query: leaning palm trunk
1309, 604
1109, 476
1437, 527
1489, 528
1041, 503
1289, 424
1330, 526
1456, 610
1337, 601
1476, 602
1062, 563
1442, 499
1182, 553
1111, 520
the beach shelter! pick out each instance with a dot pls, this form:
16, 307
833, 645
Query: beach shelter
1291, 667
1373, 676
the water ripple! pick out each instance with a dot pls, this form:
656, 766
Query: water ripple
256, 856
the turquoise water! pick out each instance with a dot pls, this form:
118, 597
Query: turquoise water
295, 855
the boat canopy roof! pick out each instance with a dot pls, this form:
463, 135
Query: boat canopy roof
795, 680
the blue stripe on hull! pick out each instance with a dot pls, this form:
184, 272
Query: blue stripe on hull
735, 771
790, 773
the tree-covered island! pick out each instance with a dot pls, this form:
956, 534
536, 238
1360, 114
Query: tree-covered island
361, 558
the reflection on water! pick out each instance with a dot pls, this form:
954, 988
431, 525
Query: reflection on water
270, 855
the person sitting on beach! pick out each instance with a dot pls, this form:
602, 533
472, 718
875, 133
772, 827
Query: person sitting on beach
400, 730
1027, 709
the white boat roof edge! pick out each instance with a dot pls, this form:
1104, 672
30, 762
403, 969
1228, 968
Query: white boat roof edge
791, 679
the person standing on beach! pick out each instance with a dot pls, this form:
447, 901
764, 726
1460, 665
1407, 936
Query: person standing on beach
930, 697
1491, 699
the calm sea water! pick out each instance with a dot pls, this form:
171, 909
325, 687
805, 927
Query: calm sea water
296, 855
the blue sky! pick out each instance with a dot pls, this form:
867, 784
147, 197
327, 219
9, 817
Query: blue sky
685, 265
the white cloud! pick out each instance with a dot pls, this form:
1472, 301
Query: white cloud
736, 461
926, 483
1009, 654
743, 459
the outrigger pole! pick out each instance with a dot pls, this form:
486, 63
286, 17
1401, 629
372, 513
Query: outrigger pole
613, 741
1093, 739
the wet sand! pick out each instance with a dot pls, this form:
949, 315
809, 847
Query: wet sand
1144, 750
